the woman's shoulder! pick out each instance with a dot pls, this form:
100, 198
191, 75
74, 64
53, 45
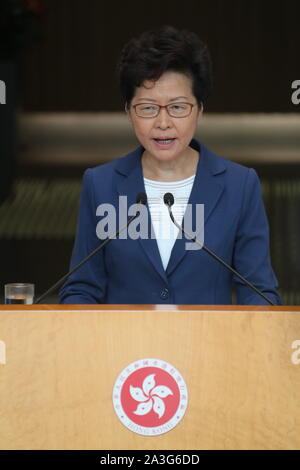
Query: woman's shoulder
237, 178
119, 164
233, 172
222, 163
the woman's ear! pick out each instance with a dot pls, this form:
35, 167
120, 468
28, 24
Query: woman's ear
127, 111
200, 110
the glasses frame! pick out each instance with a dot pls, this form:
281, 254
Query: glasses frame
164, 107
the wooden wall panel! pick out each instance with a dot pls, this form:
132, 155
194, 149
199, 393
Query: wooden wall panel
254, 46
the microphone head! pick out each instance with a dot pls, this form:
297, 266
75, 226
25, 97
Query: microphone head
141, 198
169, 199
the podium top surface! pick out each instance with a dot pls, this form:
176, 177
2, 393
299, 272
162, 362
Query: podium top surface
163, 307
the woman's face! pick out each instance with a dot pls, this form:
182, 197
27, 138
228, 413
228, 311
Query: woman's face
165, 137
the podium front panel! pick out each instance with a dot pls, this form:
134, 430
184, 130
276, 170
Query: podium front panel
59, 366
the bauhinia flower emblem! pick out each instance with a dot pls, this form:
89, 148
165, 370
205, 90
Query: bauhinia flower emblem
150, 397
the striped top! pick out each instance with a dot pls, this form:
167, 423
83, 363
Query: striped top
165, 231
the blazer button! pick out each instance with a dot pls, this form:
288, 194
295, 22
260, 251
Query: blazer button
164, 293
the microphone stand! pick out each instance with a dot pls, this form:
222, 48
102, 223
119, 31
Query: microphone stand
142, 200
169, 201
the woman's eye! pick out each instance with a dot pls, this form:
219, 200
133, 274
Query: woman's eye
178, 107
148, 108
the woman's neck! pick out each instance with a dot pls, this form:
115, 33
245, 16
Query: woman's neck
170, 170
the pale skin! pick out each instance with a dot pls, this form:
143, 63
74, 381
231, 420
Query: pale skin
178, 161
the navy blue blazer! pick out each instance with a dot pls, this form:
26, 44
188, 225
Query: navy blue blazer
131, 272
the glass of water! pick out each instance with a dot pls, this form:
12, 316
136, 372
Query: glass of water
19, 293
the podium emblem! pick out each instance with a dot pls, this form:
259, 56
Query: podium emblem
150, 397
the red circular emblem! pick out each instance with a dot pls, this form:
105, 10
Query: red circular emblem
150, 397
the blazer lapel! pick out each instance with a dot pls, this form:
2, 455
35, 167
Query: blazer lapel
130, 185
207, 190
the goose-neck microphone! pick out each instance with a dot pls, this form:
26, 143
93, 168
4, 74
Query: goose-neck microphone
169, 201
140, 199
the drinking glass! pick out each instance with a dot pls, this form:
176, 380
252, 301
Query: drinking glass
19, 293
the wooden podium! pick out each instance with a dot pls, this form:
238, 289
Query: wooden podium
240, 364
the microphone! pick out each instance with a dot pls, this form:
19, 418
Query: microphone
169, 201
140, 199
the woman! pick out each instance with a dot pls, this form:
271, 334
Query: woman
164, 79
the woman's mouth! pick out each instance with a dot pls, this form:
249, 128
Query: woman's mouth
164, 143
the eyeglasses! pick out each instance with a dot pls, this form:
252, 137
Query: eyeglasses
149, 110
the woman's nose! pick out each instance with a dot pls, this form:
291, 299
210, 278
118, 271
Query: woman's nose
163, 119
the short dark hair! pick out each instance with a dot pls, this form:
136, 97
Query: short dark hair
166, 49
